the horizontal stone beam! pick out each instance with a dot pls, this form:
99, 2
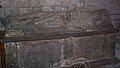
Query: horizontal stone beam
57, 35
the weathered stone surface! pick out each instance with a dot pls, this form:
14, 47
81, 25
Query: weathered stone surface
43, 55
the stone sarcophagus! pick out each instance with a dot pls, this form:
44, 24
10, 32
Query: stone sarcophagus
79, 19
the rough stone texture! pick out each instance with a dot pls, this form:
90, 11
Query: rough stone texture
50, 51
27, 55
32, 54
95, 47
81, 17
